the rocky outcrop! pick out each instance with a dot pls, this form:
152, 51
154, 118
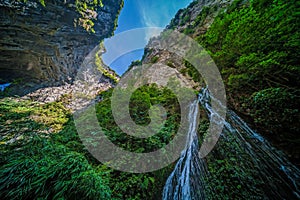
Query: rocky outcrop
42, 47
67, 95
196, 20
84, 90
199, 15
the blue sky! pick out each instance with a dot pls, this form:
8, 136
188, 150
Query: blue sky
138, 14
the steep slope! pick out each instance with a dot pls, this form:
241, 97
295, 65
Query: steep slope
42, 46
256, 48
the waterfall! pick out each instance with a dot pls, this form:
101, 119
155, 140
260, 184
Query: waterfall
279, 178
187, 178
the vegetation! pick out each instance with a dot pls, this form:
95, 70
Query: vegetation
255, 44
148, 185
48, 170
100, 66
256, 47
154, 59
229, 175
42, 155
87, 9
141, 101
191, 71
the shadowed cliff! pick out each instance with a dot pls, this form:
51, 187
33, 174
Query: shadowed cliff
43, 46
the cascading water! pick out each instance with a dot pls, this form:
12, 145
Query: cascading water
186, 180
278, 178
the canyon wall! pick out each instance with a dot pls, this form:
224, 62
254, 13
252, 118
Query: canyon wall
41, 46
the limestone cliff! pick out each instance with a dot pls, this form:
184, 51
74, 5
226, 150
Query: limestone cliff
41, 46
199, 14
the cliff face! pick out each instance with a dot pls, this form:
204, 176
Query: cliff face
255, 55
199, 15
192, 15
41, 47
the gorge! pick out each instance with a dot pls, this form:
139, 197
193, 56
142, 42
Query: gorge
51, 72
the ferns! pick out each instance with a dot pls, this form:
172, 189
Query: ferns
45, 169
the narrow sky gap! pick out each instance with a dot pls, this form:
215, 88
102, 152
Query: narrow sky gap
139, 14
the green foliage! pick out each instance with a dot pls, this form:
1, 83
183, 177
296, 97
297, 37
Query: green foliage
140, 102
105, 72
87, 9
256, 46
188, 31
132, 64
20, 120
184, 18
201, 17
42, 2
36, 162
181, 14
52, 115
154, 59
230, 176
273, 105
171, 64
47, 170
139, 186
148, 185
192, 71
43, 157
259, 42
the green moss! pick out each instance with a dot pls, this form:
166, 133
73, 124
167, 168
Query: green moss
25, 113
104, 71
53, 115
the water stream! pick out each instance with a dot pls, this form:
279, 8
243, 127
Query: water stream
186, 180
278, 178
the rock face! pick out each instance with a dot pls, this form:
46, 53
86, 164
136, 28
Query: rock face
85, 89
192, 14
41, 47
196, 15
